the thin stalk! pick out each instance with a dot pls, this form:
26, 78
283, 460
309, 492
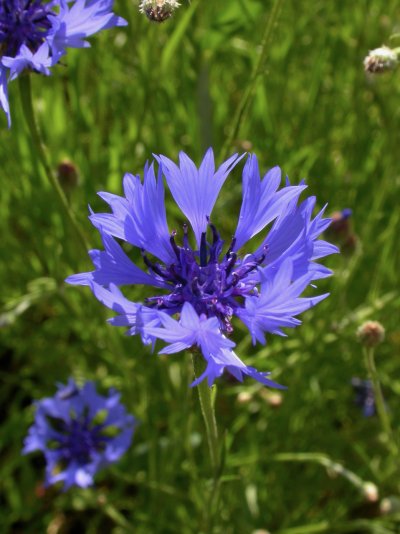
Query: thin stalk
207, 410
357, 525
27, 106
328, 463
379, 401
239, 115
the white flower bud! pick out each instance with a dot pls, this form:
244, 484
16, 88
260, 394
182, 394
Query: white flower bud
381, 60
158, 10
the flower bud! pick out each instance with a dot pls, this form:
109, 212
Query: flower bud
158, 10
371, 492
390, 505
381, 60
340, 225
341, 231
371, 333
244, 397
273, 398
67, 175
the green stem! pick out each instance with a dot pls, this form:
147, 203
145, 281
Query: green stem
27, 106
379, 402
328, 463
239, 115
207, 410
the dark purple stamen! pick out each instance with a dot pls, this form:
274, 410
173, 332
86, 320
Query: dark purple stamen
174, 245
213, 286
77, 439
203, 250
23, 22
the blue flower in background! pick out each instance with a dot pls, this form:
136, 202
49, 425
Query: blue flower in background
364, 396
34, 34
199, 284
79, 432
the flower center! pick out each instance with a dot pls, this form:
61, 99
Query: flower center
23, 22
78, 439
213, 283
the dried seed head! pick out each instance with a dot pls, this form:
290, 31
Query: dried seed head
381, 60
371, 333
158, 10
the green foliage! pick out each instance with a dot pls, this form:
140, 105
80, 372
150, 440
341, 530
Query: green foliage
295, 468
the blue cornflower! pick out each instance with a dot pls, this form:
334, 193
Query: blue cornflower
34, 34
79, 432
364, 396
199, 284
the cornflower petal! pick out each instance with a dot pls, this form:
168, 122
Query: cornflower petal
261, 201
73, 24
136, 316
140, 218
5, 106
192, 330
196, 190
39, 62
189, 331
278, 302
227, 360
112, 266
294, 235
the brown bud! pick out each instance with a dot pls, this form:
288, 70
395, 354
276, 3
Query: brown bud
67, 175
371, 333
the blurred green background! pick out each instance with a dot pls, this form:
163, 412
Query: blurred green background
161, 88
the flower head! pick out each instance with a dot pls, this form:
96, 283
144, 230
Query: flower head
158, 10
79, 432
381, 60
371, 333
200, 285
34, 34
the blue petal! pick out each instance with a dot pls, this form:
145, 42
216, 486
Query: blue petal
189, 331
227, 360
5, 106
261, 201
196, 190
73, 24
140, 218
278, 302
40, 61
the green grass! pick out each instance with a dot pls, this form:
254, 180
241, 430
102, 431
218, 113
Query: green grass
151, 88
